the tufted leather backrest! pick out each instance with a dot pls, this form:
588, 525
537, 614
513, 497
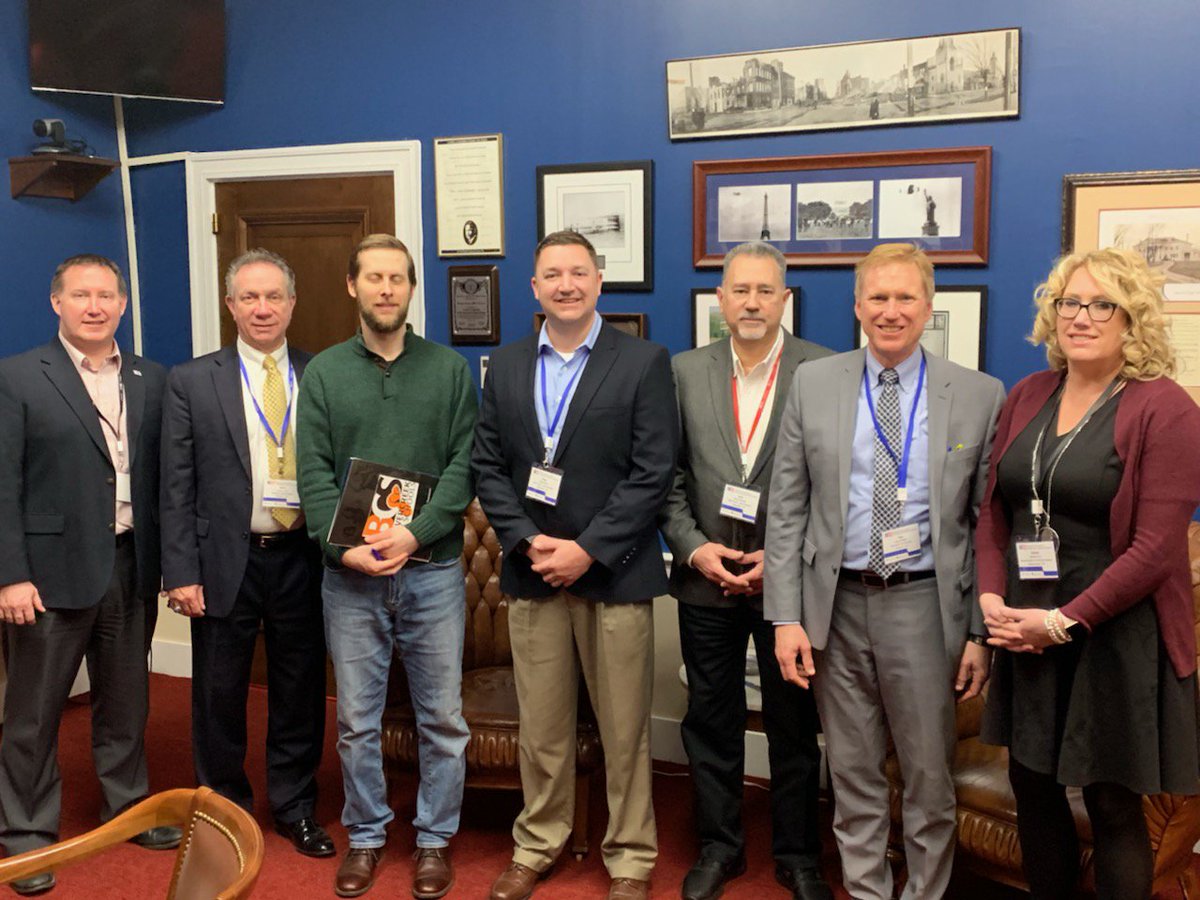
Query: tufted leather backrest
1194, 556
487, 642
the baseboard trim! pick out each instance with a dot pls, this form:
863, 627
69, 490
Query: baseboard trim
171, 658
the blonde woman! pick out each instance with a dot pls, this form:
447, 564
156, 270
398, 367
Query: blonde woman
1084, 578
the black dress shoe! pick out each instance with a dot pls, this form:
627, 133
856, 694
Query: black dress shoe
160, 837
706, 879
307, 836
35, 884
805, 883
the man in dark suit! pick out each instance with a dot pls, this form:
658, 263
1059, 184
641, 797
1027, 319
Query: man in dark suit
236, 555
574, 455
79, 563
731, 395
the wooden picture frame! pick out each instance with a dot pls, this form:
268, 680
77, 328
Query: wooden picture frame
957, 330
473, 295
830, 210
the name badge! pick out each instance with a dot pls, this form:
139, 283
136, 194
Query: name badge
124, 488
901, 544
544, 484
740, 503
1037, 560
281, 493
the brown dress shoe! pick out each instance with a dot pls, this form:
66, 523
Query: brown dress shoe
356, 874
434, 874
628, 889
515, 883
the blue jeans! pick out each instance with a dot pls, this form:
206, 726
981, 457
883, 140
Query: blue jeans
420, 612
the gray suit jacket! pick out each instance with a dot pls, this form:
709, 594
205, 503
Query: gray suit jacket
709, 459
810, 490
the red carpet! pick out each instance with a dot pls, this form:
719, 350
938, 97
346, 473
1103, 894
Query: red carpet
481, 850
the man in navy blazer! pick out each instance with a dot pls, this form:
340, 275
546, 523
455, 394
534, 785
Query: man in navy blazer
79, 563
236, 554
574, 455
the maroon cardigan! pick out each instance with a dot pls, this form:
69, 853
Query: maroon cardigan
1157, 437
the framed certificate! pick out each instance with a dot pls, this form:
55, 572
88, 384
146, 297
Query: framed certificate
469, 181
474, 304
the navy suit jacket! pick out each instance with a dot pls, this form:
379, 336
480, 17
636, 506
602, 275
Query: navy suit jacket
58, 483
207, 488
617, 449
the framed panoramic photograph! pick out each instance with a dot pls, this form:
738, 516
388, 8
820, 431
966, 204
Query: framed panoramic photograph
938, 78
1155, 213
637, 324
612, 205
957, 330
831, 210
708, 325
474, 295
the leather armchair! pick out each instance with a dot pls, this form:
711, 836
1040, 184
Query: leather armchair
987, 817
488, 690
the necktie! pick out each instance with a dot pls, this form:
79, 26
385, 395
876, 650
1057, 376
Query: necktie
275, 407
885, 509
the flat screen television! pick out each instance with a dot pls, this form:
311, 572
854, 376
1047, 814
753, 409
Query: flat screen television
169, 49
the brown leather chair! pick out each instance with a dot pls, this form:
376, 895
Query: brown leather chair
219, 856
489, 693
987, 816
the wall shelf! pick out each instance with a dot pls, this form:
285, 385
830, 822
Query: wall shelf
57, 175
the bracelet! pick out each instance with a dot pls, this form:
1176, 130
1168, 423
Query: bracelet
1055, 627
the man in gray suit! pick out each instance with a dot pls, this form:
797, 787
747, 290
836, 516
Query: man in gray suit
79, 563
870, 577
731, 395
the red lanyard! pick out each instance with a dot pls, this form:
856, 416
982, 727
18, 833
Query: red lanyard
744, 446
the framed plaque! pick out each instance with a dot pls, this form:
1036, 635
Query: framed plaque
469, 183
474, 296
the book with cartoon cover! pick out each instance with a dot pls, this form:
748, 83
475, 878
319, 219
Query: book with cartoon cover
376, 497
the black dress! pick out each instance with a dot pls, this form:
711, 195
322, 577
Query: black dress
1108, 706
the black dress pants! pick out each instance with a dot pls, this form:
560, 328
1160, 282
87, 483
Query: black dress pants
713, 641
282, 591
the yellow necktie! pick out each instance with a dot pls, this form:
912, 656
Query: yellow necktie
275, 407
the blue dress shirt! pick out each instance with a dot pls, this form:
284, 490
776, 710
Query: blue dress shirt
560, 385
862, 466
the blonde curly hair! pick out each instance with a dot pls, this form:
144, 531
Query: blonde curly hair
1128, 281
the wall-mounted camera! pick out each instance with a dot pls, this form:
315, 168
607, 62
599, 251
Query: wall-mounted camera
55, 131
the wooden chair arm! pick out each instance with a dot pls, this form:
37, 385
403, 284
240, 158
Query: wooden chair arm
167, 808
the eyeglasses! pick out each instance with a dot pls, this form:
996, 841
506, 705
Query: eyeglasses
1098, 310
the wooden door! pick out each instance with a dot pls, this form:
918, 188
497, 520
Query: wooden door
313, 223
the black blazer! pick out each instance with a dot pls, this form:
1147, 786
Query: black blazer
617, 449
207, 488
58, 484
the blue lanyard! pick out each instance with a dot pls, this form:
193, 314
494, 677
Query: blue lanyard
287, 413
552, 423
902, 471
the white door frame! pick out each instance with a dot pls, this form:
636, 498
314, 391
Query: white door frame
204, 171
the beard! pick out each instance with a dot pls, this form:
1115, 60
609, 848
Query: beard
378, 325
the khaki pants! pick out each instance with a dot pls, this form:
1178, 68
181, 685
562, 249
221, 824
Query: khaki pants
613, 644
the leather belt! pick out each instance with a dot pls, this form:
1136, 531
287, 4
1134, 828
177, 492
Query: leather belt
870, 579
276, 539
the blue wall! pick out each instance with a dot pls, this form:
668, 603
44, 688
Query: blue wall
1102, 90
37, 234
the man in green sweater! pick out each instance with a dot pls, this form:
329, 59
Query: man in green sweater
390, 397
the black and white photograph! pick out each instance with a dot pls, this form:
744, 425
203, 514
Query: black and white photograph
611, 204
970, 75
834, 209
957, 329
758, 212
920, 208
1168, 238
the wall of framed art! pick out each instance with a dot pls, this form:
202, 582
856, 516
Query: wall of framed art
596, 88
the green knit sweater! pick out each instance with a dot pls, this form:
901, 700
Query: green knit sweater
418, 413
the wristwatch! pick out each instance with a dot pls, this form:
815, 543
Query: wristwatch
979, 639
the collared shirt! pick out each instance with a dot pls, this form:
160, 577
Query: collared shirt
560, 387
261, 455
855, 555
103, 385
750, 387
